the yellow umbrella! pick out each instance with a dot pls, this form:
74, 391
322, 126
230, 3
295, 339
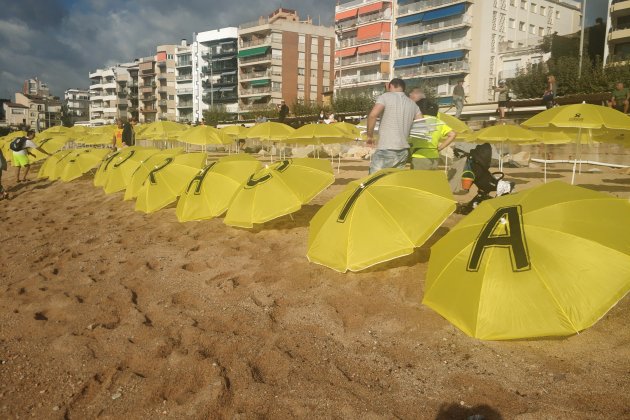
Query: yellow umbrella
455, 123
146, 166
209, 193
49, 167
168, 180
234, 131
548, 261
203, 135
318, 134
379, 218
162, 130
79, 162
104, 170
350, 129
53, 144
124, 166
278, 189
271, 131
583, 117
55, 130
504, 133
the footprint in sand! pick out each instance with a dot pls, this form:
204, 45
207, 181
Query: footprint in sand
195, 267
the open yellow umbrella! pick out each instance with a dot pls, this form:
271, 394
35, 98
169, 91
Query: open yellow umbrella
53, 144
210, 192
455, 123
278, 189
234, 131
49, 167
146, 166
548, 261
351, 129
124, 166
378, 218
168, 180
270, 130
585, 118
162, 130
319, 134
203, 135
503, 133
55, 130
79, 162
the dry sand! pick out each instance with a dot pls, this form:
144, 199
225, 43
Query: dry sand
106, 312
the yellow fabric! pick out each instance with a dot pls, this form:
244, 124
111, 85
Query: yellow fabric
142, 171
379, 218
505, 133
118, 135
277, 190
319, 134
455, 123
269, 131
161, 130
49, 167
580, 116
577, 255
203, 135
124, 166
79, 162
429, 149
167, 180
210, 192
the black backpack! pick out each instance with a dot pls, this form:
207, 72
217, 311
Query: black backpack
18, 144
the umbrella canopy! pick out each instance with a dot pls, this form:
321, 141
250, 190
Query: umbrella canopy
350, 129
49, 167
53, 144
455, 123
277, 190
504, 133
162, 130
124, 166
168, 180
203, 135
272, 131
210, 192
548, 261
234, 131
79, 162
146, 166
378, 218
319, 134
55, 130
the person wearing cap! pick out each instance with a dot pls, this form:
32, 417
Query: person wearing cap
503, 97
459, 96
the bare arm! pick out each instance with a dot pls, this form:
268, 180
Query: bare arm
449, 139
376, 112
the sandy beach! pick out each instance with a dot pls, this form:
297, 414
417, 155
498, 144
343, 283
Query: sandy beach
109, 313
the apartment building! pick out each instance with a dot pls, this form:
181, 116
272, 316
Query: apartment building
183, 83
35, 87
363, 31
127, 90
77, 103
215, 67
166, 78
41, 112
618, 30
268, 51
103, 97
147, 89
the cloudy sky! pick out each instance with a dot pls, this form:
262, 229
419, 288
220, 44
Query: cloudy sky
61, 41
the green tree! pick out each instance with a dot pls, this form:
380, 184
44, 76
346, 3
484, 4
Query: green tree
217, 114
347, 103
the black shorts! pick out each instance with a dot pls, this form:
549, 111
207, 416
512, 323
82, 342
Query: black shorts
503, 104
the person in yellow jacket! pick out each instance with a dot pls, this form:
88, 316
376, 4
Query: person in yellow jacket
117, 138
426, 145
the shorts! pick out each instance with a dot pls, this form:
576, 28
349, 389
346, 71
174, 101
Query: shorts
424, 164
503, 104
20, 160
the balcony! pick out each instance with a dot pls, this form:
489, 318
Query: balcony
122, 103
184, 78
621, 33
264, 90
618, 6
363, 78
255, 59
424, 27
372, 58
147, 73
161, 63
431, 48
184, 91
255, 75
360, 20
162, 76
148, 110
434, 70
351, 42
520, 45
424, 6
255, 42
184, 63
162, 102
149, 98
163, 89
188, 104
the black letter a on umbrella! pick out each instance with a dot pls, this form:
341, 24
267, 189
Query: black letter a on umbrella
503, 230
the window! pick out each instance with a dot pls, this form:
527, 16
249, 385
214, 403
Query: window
276, 37
542, 10
512, 23
541, 31
532, 29
313, 58
171, 97
301, 71
326, 59
521, 26
557, 14
301, 39
301, 56
314, 48
276, 54
314, 42
512, 2
169, 56
523, 4
533, 7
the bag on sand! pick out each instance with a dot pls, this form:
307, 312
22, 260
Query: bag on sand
18, 144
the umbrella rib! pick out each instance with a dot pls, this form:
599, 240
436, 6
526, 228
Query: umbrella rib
391, 217
546, 286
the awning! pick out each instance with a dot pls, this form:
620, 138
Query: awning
370, 8
410, 19
263, 82
227, 89
346, 15
223, 58
253, 51
456, 9
405, 62
450, 55
346, 52
377, 46
214, 89
228, 73
372, 31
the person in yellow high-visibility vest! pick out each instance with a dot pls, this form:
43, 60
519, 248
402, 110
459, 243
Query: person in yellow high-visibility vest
425, 149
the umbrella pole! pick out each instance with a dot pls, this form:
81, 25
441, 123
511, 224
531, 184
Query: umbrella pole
577, 148
545, 158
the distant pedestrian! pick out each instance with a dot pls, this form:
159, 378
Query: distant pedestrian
459, 97
117, 142
398, 112
425, 152
504, 98
550, 92
283, 112
129, 132
3, 167
620, 98
21, 148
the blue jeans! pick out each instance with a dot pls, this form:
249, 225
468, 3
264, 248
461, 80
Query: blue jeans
388, 158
